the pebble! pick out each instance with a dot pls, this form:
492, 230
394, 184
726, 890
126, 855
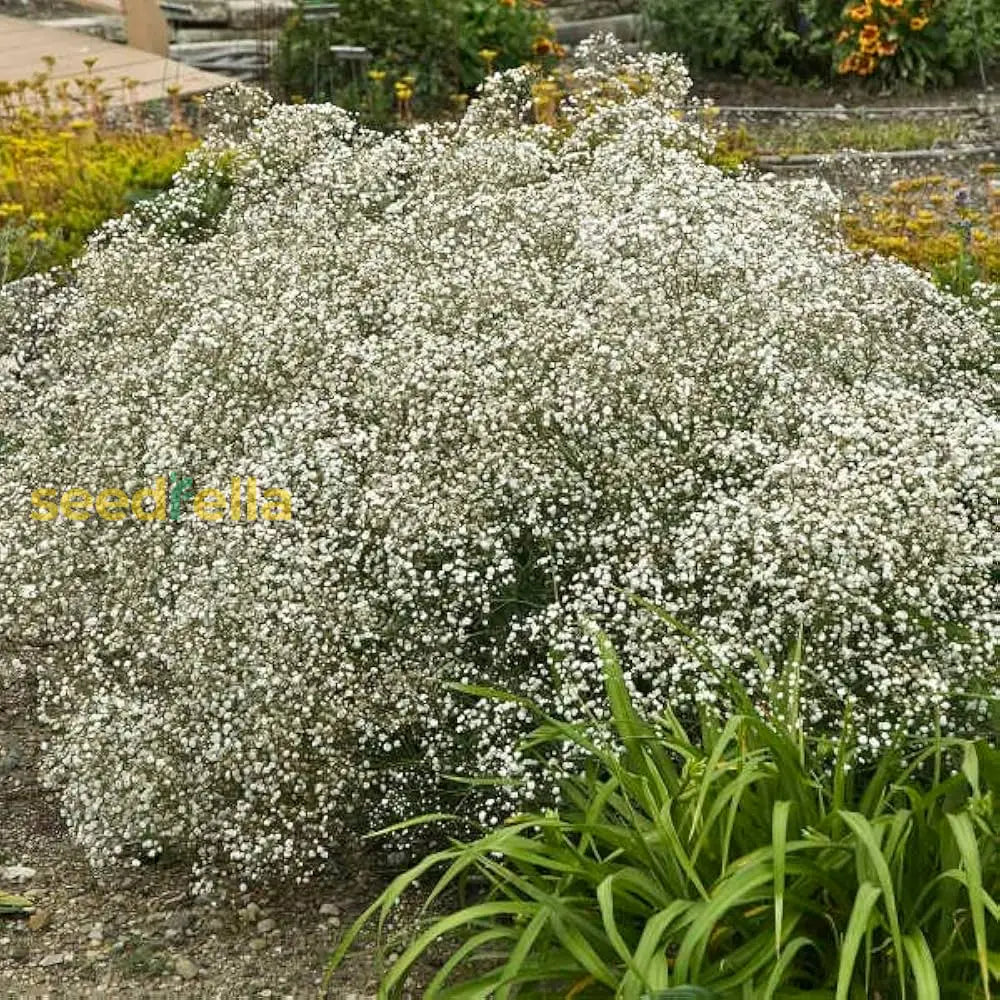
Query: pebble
17, 873
185, 968
55, 958
96, 933
251, 913
257, 944
266, 926
179, 920
329, 910
11, 756
39, 920
215, 925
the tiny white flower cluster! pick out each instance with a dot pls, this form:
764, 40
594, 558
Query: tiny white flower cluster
509, 373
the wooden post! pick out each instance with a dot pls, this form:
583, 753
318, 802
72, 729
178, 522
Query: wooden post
146, 26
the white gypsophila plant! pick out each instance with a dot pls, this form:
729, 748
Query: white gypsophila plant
509, 373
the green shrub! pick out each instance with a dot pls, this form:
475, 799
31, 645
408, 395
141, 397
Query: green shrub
779, 39
973, 40
748, 859
424, 54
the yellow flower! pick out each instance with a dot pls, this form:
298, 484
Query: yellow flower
378, 75
541, 46
869, 37
862, 12
37, 217
488, 55
918, 23
38, 236
847, 64
866, 64
891, 3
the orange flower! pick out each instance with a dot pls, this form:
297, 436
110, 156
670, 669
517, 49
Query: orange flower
862, 12
541, 46
887, 48
866, 65
869, 38
848, 63
508, 3
891, 3
843, 36
918, 23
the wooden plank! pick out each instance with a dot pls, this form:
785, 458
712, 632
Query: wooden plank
23, 44
146, 27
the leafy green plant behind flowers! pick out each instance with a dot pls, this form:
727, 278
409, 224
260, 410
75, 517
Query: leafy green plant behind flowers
435, 48
775, 39
746, 860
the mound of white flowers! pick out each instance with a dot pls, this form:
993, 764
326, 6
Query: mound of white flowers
508, 375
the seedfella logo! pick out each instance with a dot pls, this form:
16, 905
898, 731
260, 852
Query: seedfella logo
166, 500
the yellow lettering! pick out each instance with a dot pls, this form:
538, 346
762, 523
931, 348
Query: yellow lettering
159, 496
210, 505
277, 506
112, 505
76, 505
48, 509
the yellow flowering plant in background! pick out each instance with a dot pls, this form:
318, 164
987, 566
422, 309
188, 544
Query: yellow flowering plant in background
917, 42
936, 223
888, 40
66, 166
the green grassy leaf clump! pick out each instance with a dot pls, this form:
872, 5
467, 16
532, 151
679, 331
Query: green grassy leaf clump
744, 860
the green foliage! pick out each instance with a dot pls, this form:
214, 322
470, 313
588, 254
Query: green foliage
919, 42
972, 33
15, 906
205, 193
434, 48
745, 860
777, 39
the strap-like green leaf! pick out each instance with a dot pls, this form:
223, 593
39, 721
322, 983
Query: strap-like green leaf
865, 834
857, 925
779, 838
922, 966
965, 838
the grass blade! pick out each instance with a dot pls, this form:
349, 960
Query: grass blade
922, 966
965, 838
779, 839
857, 925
